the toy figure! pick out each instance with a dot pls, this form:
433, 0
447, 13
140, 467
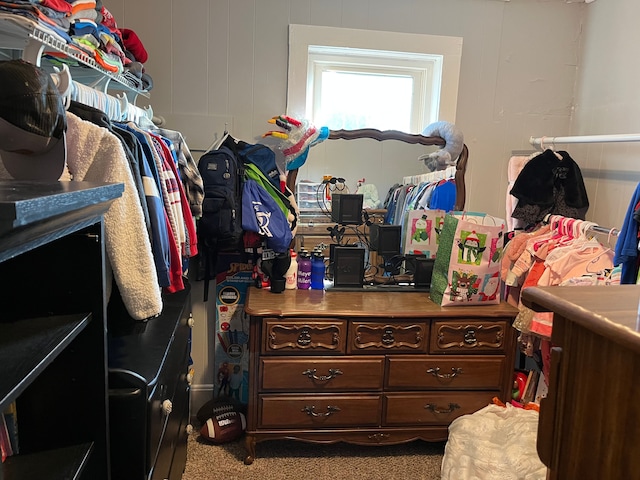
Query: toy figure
223, 380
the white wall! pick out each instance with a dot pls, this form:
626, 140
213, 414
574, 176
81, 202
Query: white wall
607, 102
225, 61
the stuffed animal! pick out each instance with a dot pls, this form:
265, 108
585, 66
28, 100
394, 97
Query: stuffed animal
447, 155
370, 198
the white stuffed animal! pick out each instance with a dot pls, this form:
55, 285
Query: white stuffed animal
370, 197
447, 155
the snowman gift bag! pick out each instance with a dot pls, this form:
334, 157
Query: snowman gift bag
466, 270
422, 231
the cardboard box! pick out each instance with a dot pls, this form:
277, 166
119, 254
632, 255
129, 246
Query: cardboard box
231, 342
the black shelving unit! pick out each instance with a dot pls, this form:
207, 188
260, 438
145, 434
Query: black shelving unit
53, 355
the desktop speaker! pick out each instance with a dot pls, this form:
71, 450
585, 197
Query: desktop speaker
423, 272
410, 260
346, 208
385, 239
348, 266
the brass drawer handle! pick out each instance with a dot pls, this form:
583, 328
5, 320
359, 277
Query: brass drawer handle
333, 373
387, 337
311, 411
436, 372
434, 408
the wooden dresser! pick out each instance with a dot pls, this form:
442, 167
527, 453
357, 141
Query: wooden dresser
589, 421
371, 368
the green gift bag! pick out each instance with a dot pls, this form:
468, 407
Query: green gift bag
466, 270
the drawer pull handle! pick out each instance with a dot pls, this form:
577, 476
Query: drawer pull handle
333, 373
387, 337
378, 437
304, 338
436, 372
167, 406
311, 411
434, 408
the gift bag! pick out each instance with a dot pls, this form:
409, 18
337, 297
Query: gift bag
466, 270
421, 232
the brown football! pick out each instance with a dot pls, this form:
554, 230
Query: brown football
225, 426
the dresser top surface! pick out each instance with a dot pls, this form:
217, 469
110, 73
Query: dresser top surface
610, 311
321, 303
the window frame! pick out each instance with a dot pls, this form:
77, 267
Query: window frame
306, 41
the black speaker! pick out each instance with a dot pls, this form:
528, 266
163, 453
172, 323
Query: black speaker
423, 272
410, 262
348, 266
346, 208
385, 239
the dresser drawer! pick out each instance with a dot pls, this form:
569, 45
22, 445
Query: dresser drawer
319, 411
381, 337
433, 408
316, 374
304, 336
482, 372
469, 336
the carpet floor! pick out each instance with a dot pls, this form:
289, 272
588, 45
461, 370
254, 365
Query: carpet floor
288, 459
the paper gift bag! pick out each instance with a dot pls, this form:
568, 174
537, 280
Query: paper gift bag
466, 270
421, 232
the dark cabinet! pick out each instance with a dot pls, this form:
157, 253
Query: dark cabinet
149, 390
98, 395
53, 358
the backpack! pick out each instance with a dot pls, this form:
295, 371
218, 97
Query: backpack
220, 227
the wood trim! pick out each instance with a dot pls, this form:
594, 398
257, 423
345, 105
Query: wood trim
385, 135
380, 135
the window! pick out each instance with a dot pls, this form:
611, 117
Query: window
351, 79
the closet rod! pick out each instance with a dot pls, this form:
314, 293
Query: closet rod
609, 231
541, 141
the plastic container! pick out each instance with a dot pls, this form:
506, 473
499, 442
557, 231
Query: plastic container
304, 270
291, 277
317, 271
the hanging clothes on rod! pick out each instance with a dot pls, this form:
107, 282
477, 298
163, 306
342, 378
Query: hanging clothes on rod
154, 157
561, 252
448, 173
549, 183
433, 190
117, 108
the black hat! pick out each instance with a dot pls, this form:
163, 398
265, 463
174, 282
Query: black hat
32, 122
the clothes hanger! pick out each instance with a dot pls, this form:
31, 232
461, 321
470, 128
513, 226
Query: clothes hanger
217, 143
552, 148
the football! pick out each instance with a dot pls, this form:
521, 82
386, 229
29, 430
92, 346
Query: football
224, 426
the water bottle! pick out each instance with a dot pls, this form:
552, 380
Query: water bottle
317, 270
291, 277
304, 270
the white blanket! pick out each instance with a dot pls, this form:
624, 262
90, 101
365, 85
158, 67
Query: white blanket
494, 443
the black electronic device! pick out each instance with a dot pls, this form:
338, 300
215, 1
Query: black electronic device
423, 272
346, 208
348, 266
385, 239
409, 267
